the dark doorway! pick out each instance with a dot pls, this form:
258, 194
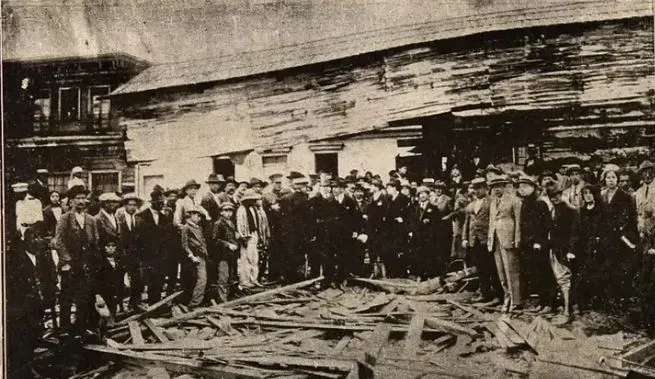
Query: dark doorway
224, 166
327, 162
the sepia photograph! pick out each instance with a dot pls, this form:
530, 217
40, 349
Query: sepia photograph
340, 189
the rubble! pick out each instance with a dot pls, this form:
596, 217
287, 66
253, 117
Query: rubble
299, 331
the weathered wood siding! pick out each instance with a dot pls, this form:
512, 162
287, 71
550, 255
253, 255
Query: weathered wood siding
593, 75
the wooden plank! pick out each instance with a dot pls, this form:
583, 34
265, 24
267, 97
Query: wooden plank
151, 309
379, 300
434, 322
510, 333
281, 360
391, 306
341, 345
374, 345
348, 328
640, 353
272, 292
470, 310
413, 336
224, 325
155, 330
178, 365
135, 332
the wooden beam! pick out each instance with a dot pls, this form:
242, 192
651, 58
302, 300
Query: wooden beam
413, 336
450, 326
155, 330
374, 345
348, 328
135, 332
345, 340
640, 353
178, 365
275, 291
151, 309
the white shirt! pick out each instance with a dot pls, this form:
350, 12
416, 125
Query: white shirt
28, 211
112, 261
340, 198
57, 212
129, 220
32, 257
112, 219
155, 216
80, 219
477, 205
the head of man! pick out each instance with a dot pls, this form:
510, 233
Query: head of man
77, 197
479, 186
423, 194
195, 217
647, 171
300, 184
402, 170
171, 198
624, 181
498, 186
575, 173
110, 206
230, 187
406, 190
393, 189
191, 188
358, 193
326, 191
34, 239
227, 211
554, 193
276, 182
157, 200
242, 186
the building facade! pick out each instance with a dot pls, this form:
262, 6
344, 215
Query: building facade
57, 116
578, 80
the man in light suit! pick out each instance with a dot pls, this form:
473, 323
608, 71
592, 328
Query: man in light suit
474, 239
76, 240
503, 240
645, 201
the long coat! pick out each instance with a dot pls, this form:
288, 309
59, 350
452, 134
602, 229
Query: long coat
563, 231
154, 241
396, 224
535, 220
211, 205
505, 221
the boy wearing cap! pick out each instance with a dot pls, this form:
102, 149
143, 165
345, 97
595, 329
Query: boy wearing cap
195, 250
226, 240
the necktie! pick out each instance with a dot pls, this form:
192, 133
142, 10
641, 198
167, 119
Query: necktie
646, 194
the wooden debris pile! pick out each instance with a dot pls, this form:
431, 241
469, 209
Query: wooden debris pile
297, 331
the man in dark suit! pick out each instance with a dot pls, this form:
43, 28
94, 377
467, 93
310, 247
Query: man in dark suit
40, 185
396, 231
429, 259
154, 232
77, 244
343, 227
299, 226
319, 208
129, 247
474, 238
562, 241
211, 201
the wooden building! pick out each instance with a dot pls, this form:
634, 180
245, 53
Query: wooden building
576, 78
57, 116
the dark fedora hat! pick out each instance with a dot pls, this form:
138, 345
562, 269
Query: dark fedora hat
215, 179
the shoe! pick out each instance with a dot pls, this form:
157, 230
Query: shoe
479, 299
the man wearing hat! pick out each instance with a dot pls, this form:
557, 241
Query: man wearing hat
297, 228
211, 201
444, 204
573, 194
155, 239
429, 256
189, 201
344, 226
561, 244
40, 183
29, 209
534, 225
504, 239
128, 244
106, 222
645, 201
76, 241
273, 207
475, 234
257, 185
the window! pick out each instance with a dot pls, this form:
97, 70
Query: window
274, 163
105, 181
327, 162
58, 181
69, 104
41, 110
99, 108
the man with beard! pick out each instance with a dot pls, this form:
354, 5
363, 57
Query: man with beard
534, 226
396, 231
230, 195
211, 201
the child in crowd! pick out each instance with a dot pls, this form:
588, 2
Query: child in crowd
195, 248
226, 238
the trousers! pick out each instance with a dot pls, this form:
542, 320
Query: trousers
508, 265
200, 275
480, 257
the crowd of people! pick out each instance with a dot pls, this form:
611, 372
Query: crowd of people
576, 238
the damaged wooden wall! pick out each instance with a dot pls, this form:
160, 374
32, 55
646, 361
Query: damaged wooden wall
595, 78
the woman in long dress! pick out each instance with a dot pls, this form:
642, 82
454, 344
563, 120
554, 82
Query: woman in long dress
587, 274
